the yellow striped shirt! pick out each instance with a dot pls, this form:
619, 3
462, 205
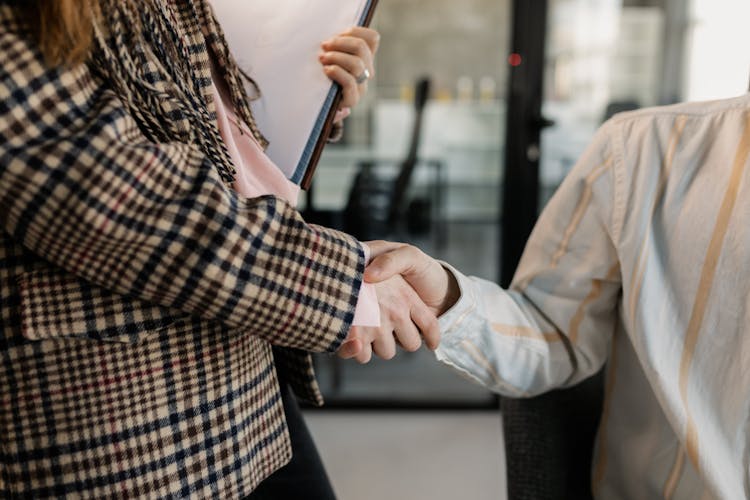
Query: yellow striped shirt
640, 260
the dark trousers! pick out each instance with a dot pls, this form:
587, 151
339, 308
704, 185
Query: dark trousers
304, 477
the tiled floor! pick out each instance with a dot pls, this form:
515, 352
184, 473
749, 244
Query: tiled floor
411, 455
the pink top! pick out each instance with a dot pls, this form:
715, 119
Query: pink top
257, 175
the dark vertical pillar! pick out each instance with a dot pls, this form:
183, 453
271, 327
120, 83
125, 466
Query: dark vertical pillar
676, 29
520, 198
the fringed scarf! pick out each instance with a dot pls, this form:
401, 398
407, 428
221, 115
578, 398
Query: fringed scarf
144, 54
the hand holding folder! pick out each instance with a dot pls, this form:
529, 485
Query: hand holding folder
277, 43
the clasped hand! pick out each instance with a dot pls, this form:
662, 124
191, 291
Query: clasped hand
413, 290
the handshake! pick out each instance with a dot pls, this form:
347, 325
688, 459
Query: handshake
413, 289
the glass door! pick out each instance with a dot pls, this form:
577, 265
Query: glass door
451, 207
579, 62
607, 56
604, 57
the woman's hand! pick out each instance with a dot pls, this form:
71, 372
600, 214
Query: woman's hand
404, 321
348, 60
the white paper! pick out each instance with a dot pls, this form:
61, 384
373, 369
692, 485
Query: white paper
277, 43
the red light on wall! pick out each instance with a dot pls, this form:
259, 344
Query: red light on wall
515, 59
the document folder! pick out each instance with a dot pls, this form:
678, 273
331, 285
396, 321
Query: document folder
277, 42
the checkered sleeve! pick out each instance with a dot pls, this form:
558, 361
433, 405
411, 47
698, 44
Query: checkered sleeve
82, 187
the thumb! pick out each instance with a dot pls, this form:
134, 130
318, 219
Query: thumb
379, 247
436, 286
386, 266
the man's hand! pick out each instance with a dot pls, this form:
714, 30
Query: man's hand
434, 284
404, 321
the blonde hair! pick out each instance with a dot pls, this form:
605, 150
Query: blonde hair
64, 29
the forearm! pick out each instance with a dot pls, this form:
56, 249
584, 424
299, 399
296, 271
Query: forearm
554, 327
501, 340
81, 187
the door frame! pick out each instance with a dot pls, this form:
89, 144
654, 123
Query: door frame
524, 122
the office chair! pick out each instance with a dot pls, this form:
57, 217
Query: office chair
549, 441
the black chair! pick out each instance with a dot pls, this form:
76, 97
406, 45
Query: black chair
549, 442
549, 439
614, 107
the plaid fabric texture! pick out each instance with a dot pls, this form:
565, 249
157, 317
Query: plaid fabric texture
53, 302
140, 297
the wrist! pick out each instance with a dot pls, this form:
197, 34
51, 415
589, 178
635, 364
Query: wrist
452, 292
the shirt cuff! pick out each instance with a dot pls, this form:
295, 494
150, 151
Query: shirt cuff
458, 324
367, 312
452, 319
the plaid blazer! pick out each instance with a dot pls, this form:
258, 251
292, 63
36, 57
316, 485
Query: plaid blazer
140, 297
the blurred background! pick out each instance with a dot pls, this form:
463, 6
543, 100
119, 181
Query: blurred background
476, 112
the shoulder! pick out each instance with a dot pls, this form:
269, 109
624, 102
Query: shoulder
655, 128
693, 111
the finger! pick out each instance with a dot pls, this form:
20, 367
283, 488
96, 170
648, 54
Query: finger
353, 342
365, 354
369, 35
350, 94
352, 64
404, 328
407, 334
353, 46
342, 114
427, 323
379, 247
349, 349
401, 260
384, 345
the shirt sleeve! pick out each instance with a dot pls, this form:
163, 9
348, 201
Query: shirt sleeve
83, 188
554, 326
